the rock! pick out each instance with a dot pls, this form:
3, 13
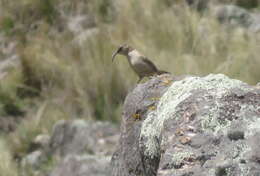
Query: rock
79, 136
127, 160
74, 165
33, 159
82, 147
201, 126
255, 26
237, 16
233, 15
42, 140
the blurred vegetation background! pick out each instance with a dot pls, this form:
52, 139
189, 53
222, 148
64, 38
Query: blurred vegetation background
65, 70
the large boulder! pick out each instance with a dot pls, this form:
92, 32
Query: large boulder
128, 159
82, 147
79, 136
200, 126
86, 165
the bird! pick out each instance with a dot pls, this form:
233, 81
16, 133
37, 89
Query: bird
141, 65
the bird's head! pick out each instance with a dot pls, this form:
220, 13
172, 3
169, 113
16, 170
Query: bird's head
123, 50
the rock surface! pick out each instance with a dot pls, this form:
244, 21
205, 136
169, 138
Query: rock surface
79, 136
33, 159
83, 147
127, 160
200, 126
85, 165
237, 16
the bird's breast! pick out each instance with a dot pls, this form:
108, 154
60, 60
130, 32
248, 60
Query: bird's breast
138, 64
134, 61
134, 57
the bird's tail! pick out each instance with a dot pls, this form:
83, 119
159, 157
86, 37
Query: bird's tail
160, 72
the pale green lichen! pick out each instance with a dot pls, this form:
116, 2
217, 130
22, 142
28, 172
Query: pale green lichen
179, 157
244, 168
240, 151
252, 123
209, 121
216, 84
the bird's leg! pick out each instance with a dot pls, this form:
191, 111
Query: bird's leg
140, 79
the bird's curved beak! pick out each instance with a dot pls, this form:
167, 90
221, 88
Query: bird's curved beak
115, 53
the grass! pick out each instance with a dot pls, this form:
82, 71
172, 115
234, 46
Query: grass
10, 103
8, 167
61, 79
38, 121
6, 25
186, 43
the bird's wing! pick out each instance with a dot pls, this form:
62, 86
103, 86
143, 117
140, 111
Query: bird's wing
145, 59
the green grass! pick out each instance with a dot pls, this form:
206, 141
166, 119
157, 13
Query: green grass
60, 79
6, 25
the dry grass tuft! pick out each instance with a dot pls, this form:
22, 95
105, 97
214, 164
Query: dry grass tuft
7, 166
